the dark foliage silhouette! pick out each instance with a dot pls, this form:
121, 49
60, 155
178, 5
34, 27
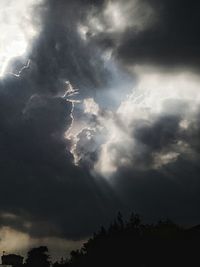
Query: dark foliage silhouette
12, 259
38, 257
131, 243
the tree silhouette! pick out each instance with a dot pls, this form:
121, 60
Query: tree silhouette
38, 257
131, 243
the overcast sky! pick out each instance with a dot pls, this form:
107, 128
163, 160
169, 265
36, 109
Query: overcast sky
99, 113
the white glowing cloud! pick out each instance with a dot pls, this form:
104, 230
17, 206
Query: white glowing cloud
120, 15
155, 90
156, 94
17, 29
13, 241
90, 106
116, 17
83, 30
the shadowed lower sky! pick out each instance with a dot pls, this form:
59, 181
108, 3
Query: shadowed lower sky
99, 112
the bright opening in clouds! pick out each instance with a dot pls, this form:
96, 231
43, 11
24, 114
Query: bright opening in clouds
17, 29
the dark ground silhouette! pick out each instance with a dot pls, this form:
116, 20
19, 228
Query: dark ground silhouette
130, 243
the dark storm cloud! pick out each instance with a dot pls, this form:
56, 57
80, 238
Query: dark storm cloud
39, 182
42, 191
61, 54
171, 192
171, 40
165, 128
40, 186
157, 137
87, 148
158, 170
154, 183
156, 161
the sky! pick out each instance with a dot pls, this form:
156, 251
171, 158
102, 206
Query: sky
99, 113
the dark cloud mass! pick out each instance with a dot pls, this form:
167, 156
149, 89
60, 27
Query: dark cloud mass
155, 173
39, 182
171, 41
59, 53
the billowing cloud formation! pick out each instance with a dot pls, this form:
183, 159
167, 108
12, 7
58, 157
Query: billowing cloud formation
153, 117
173, 40
163, 33
59, 52
48, 194
150, 151
70, 159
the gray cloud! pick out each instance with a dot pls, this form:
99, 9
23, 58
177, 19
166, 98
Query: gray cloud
48, 195
152, 32
59, 53
155, 155
171, 41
